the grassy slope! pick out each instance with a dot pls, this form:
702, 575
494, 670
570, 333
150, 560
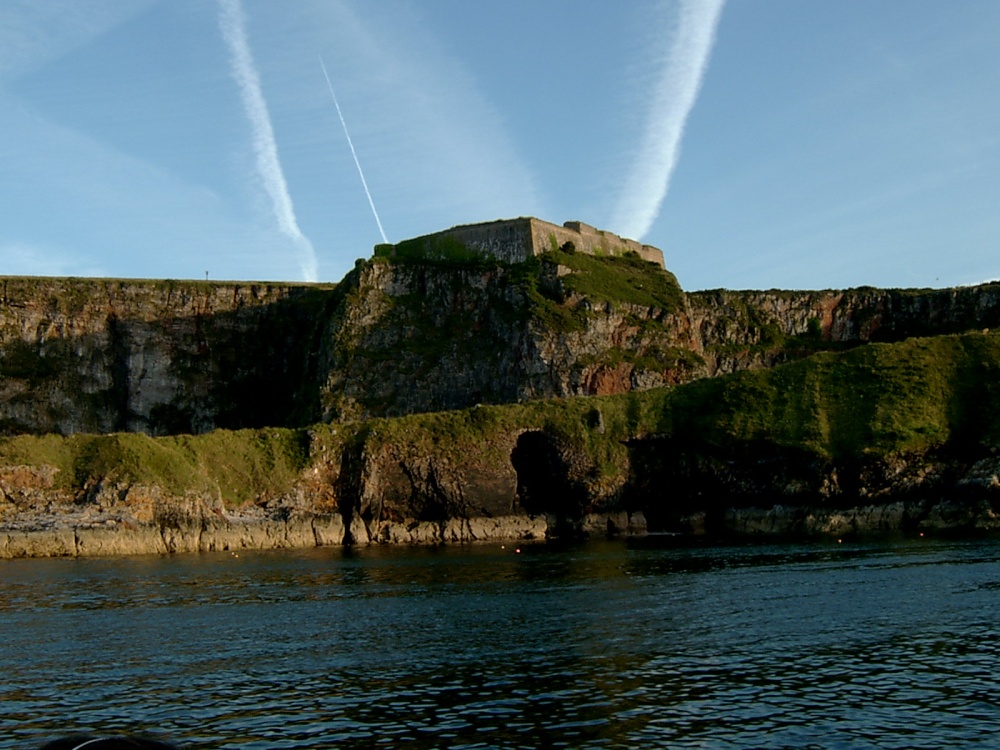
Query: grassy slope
616, 280
238, 465
874, 400
626, 279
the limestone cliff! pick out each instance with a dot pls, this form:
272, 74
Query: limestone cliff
416, 337
739, 330
91, 355
403, 336
798, 412
420, 336
898, 438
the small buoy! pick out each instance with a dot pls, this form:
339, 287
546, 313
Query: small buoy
518, 550
840, 541
921, 533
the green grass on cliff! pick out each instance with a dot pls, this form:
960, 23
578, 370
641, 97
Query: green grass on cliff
237, 466
590, 432
614, 280
879, 399
626, 279
432, 249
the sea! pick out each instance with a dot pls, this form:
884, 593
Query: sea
639, 643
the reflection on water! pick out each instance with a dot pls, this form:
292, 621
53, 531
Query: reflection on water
628, 644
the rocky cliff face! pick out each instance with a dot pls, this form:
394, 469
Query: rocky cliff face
82, 355
892, 438
417, 337
897, 435
421, 338
401, 337
739, 330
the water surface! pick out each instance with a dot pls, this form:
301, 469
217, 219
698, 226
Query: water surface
624, 644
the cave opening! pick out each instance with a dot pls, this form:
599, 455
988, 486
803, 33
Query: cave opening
543, 484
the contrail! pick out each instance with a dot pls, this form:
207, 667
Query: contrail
364, 183
683, 68
233, 25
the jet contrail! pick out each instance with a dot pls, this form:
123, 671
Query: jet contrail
233, 25
364, 183
682, 70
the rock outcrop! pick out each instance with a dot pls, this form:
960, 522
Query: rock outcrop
290, 415
401, 337
92, 355
740, 330
889, 438
419, 337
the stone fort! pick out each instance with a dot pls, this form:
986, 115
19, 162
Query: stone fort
517, 240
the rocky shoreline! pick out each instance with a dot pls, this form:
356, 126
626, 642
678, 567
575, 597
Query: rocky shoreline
62, 536
83, 533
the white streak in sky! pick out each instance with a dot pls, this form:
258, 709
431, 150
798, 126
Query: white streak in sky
233, 25
364, 182
676, 91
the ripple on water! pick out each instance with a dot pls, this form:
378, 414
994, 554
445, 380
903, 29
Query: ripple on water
598, 646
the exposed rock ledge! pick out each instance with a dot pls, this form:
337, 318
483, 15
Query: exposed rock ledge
50, 537
967, 503
66, 536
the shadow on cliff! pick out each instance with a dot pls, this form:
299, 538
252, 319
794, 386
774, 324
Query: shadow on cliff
543, 482
116, 366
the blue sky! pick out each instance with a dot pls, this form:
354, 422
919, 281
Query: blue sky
758, 143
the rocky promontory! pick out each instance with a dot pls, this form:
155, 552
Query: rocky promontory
887, 438
440, 399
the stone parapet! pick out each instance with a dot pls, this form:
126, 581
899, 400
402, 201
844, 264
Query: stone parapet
517, 240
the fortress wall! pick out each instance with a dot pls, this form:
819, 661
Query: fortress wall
517, 240
509, 240
587, 239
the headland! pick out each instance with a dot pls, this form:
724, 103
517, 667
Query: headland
509, 380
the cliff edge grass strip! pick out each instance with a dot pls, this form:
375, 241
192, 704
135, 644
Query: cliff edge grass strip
624, 279
876, 400
237, 466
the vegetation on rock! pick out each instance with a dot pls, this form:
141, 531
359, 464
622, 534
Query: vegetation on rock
882, 398
916, 396
433, 385
626, 279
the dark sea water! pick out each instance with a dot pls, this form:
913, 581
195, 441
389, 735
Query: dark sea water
628, 644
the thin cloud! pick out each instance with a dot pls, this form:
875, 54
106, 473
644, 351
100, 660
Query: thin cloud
683, 67
34, 33
434, 146
233, 25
